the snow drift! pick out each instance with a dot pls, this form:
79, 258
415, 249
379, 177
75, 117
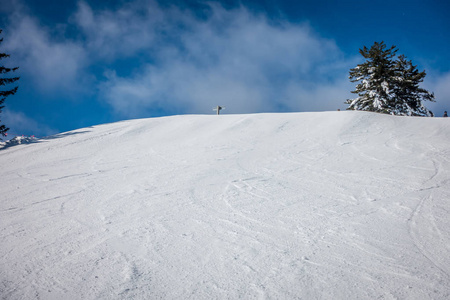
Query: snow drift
332, 205
17, 141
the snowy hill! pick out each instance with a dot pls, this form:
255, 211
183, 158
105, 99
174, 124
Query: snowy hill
332, 205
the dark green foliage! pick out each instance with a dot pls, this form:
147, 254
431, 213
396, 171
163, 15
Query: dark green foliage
407, 89
5, 81
388, 84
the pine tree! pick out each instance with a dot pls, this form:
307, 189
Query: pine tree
409, 95
388, 85
376, 74
7, 92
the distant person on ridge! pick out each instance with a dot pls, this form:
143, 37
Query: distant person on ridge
445, 114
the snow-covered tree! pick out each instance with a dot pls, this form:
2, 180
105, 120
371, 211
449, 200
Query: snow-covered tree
8, 92
376, 76
388, 84
409, 95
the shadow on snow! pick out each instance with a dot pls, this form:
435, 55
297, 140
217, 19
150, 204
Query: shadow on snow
20, 140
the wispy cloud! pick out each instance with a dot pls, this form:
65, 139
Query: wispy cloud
115, 34
440, 85
143, 59
52, 63
229, 57
20, 124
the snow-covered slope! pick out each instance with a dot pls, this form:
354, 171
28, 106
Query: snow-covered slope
332, 205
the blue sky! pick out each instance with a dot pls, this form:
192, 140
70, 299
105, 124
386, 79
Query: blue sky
89, 62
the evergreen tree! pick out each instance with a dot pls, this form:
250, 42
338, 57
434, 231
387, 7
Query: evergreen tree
388, 85
409, 95
7, 92
376, 74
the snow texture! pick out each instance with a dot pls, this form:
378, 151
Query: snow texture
17, 141
332, 205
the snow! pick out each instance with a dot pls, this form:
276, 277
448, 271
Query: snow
331, 205
17, 141
385, 87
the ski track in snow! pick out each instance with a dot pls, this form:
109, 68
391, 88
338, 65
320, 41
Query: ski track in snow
333, 205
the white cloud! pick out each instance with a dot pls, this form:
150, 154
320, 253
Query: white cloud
439, 84
442, 89
52, 64
114, 34
20, 124
183, 63
233, 58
